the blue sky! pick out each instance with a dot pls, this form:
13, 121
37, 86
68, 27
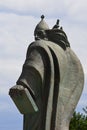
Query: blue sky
18, 19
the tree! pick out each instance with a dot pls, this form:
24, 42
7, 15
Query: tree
78, 122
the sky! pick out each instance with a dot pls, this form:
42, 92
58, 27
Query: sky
18, 19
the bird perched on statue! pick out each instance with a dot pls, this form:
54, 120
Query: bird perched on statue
56, 26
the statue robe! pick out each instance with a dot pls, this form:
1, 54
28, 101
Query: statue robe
54, 77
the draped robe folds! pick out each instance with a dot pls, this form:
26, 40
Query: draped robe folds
54, 78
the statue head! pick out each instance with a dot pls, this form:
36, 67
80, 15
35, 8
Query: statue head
39, 32
56, 34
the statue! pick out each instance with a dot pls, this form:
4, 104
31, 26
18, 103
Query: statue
51, 81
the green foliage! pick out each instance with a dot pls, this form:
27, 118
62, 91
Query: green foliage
85, 110
78, 122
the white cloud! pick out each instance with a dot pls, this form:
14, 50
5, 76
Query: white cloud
75, 10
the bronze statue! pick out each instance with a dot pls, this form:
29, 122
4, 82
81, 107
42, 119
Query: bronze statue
51, 81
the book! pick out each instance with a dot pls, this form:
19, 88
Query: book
23, 101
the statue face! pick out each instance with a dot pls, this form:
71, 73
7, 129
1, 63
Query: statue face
41, 35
